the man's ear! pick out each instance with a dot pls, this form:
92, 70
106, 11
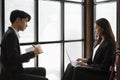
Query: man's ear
18, 19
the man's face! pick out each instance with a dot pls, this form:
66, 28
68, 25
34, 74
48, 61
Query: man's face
22, 24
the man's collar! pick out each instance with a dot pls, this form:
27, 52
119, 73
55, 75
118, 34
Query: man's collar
16, 32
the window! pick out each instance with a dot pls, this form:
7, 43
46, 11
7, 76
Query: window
60, 27
50, 30
50, 59
101, 0
108, 11
0, 21
55, 21
104, 0
73, 21
75, 0
73, 31
49, 21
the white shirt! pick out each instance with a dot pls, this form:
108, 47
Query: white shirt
16, 32
94, 51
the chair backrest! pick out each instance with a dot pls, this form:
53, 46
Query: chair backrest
113, 68
0, 63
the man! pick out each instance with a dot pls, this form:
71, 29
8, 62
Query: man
11, 56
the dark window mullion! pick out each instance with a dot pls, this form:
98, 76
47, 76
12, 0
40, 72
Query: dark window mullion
62, 38
3, 16
36, 33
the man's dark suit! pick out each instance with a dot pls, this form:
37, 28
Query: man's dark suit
12, 58
102, 61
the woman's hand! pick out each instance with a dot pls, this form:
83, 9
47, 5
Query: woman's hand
82, 63
82, 59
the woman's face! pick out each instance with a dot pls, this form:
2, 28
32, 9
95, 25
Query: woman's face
98, 30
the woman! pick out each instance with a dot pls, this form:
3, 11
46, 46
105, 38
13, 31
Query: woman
103, 53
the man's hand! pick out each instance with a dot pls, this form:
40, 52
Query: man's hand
36, 51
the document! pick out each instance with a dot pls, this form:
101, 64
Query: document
32, 48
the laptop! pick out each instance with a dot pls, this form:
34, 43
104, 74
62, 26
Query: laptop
73, 63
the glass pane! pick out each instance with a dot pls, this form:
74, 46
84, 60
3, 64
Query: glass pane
0, 28
0, 21
101, 0
27, 6
74, 50
108, 11
31, 62
50, 59
76, 0
49, 20
73, 21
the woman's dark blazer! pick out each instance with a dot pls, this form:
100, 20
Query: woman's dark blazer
104, 56
11, 56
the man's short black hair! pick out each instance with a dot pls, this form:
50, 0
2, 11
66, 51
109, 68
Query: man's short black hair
18, 14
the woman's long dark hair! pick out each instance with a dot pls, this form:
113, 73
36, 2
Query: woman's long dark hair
107, 31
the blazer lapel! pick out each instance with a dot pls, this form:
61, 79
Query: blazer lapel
98, 50
18, 44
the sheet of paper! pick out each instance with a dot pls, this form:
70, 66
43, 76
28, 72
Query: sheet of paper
32, 48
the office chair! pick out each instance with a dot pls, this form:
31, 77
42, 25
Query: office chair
113, 69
